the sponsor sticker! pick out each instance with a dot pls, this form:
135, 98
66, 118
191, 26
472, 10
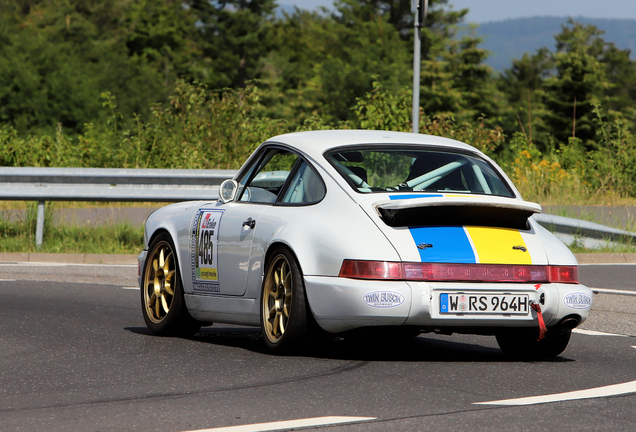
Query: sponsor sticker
383, 299
578, 300
205, 233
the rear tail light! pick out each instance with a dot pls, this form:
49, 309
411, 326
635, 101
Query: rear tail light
440, 272
371, 270
474, 272
564, 274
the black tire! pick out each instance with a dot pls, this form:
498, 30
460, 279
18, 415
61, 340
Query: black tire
162, 302
284, 311
523, 344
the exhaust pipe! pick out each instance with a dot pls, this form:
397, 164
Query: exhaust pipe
566, 324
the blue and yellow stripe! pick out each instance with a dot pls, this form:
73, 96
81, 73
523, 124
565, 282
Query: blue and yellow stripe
471, 245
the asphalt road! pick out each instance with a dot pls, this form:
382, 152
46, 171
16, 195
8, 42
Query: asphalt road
607, 276
75, 355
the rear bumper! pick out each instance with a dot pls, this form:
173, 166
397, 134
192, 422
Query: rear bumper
341, 304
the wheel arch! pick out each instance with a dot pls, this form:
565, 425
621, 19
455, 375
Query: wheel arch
176, 220
157, 233
171, 232
268, 256
270, 251
175, 319
301, 323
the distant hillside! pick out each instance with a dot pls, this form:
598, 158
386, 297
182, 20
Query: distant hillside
512, 38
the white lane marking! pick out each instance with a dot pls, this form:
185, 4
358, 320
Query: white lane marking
53, 264
130, 288
7, 280
595, 333
611, 291
610, 390
607, 264
289, 424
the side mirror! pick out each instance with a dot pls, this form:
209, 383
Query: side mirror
227, 190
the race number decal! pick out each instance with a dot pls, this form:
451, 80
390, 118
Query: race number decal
205, 234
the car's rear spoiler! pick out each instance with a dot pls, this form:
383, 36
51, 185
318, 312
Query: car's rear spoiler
457, 210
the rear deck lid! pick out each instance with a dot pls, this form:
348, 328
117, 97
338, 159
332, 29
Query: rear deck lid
455, 228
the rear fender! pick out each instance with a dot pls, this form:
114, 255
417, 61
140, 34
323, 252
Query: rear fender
321, 236
557, 252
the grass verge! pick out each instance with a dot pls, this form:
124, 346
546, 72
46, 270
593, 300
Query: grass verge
610, 247
19, 237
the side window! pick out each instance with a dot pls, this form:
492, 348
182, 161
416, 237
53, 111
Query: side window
269, 177
305, 188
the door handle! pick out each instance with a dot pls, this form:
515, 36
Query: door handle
250, 223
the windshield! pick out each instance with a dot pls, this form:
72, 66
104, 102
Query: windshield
406, 169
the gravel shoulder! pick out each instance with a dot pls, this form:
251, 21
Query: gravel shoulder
613, 314
124, 275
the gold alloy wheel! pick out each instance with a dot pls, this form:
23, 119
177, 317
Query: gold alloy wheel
277, 298
158, 282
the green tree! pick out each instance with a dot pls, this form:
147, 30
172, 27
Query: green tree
523, 87
441, 18
321, 64
552, 94
620, 70
58, 56
164, 34
579, 82
234, 37
456, 81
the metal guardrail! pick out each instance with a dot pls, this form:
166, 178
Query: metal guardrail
107, 184
173, 185
110, 184
580, 227
590, 234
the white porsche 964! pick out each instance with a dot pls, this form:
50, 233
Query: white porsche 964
332, 231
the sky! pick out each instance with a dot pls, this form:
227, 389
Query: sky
497, 10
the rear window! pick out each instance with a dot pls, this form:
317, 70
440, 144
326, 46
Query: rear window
396, 169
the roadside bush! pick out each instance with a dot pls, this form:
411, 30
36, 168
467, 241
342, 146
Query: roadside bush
384, 110
200, 129
203, 128
543, 178
613, 161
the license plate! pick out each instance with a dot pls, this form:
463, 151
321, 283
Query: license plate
481, 303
